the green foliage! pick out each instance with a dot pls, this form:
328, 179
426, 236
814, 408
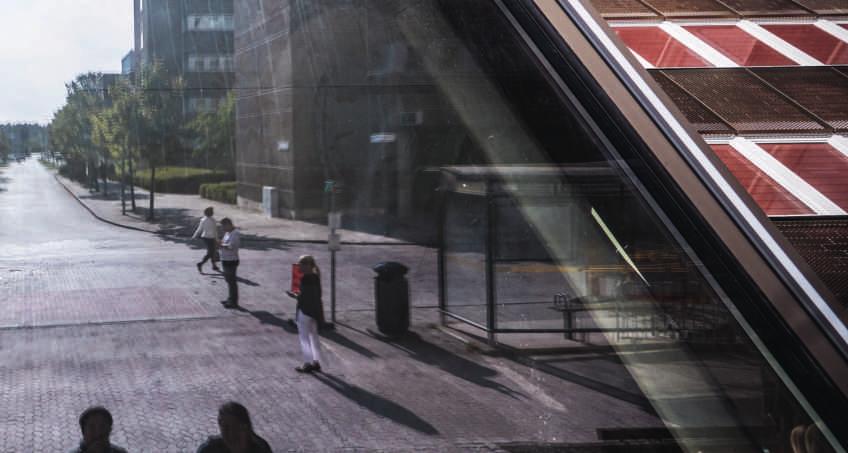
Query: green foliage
21, 139
180, 179
214, 135
224, 192
4, 148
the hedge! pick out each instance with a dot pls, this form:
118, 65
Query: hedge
180, 179
224, 192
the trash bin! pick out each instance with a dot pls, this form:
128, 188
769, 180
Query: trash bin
391, 297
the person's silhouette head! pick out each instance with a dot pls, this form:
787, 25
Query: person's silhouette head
234, 423
208, 211
96, 425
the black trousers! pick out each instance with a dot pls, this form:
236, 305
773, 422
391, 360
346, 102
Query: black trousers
211, 251
232, 281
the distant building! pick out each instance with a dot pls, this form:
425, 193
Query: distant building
128, 65
193, 39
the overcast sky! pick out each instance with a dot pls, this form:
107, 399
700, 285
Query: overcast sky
45, 43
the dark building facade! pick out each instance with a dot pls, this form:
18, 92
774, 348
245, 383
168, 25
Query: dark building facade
192, 39
368, 94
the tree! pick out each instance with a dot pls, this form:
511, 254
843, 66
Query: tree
4, 147
159, 120
115, 129
71, 128
215, 135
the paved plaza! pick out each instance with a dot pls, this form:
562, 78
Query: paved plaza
93, 313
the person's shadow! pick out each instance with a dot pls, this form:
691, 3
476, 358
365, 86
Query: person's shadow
328, 334
430, 354
220, 276
269, 318
377, 404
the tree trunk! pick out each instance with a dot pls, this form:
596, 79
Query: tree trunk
123, 186
132, 186
150, 215
103, 171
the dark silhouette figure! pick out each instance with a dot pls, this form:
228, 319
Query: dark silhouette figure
96, 425
237, 434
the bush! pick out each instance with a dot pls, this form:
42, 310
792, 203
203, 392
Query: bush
73, 170
180, 179
224, 192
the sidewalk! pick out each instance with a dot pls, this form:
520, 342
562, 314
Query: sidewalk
178, 215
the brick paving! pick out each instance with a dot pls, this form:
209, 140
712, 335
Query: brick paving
94, 314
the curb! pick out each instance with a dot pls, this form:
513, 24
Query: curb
271, 240
104, 220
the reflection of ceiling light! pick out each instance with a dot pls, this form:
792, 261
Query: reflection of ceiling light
283, 145
617, 245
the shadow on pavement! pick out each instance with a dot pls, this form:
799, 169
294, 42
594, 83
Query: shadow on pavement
430, 354
377, 404
238, 279
331, 335
176, 225
269, 318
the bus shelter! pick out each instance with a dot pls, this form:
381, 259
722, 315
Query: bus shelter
549, 249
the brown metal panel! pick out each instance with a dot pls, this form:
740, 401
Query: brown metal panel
825, 7
824, 245
624, 9
818, 89
746, 103
705, 121
771, 285
690, 8
765, 8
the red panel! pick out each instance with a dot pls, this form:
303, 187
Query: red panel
659, 48
817, 163
769, 195
813, 40
739, 46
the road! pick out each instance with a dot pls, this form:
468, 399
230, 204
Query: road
95, 314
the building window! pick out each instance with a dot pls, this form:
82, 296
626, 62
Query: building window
210, 63
209, 22
203, 105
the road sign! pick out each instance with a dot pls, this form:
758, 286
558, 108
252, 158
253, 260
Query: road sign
383, 137
334, 220
334, 242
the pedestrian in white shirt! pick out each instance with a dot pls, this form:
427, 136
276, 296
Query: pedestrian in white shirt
230, 260
208, 232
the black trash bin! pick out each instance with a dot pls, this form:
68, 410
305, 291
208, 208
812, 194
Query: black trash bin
391, 297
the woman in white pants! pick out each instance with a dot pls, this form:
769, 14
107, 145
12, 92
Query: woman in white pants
308, 314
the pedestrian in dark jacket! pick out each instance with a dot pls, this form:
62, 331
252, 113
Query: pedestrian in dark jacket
237, 434
96, 426
308, 314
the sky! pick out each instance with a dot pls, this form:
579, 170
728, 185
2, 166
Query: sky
46, 43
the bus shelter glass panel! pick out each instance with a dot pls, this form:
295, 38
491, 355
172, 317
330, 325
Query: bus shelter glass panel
465, 258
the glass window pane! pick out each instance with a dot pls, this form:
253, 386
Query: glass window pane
659, 48
769, 195
818, 43
741, 47
819, 164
